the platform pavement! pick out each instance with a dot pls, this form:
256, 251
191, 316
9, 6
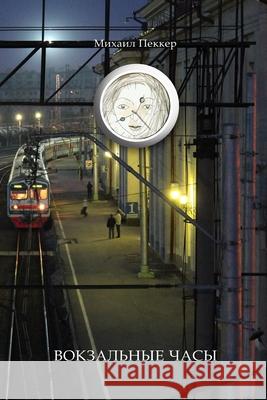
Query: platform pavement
101, 260
111, 317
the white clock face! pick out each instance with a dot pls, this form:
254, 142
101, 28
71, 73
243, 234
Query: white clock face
136, 105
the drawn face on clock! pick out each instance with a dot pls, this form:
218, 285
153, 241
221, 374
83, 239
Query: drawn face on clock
136, 106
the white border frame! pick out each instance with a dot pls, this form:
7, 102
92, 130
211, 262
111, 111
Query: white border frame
129, 69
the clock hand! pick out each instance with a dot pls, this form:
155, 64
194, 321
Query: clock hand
123, 118
141, 100
136, 113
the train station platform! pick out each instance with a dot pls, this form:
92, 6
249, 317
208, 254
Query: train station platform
120, 313
102, 260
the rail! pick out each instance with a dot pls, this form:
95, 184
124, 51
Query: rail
21, 345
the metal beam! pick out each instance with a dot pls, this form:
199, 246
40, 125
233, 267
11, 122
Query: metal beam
138, 176
43, 57
107, 30
43, 75
79, 44
153, 188
188, 74
91, 103
27, 58
114, 286
41, 104
71, 77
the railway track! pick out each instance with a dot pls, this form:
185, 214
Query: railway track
4, 171
34, 321
29, 329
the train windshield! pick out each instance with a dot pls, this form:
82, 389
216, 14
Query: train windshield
18, 191
18, 195
38, 192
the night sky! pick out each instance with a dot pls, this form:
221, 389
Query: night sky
61, 13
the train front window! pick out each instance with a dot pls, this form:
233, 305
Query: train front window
38, 194
18, 195
43, 194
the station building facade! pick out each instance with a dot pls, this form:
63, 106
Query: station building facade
171, 165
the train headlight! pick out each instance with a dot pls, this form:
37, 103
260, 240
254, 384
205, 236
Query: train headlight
41, 207
15, 207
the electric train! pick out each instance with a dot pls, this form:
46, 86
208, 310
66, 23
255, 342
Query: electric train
28, 194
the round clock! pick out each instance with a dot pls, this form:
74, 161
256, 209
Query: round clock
136, 105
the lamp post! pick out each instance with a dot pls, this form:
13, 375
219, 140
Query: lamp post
38, 117
19, 119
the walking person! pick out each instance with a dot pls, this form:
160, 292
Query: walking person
80, 171
84, 208
111, 225
118, 223
89, 190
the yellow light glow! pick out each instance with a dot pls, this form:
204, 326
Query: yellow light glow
174, 194
108, 154
41, 207
191, 194
38, 115
183, 199
18, 117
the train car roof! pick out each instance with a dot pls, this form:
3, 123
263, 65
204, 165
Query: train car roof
21, 170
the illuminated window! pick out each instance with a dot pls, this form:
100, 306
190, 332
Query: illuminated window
43, 194
18, 195
38, 194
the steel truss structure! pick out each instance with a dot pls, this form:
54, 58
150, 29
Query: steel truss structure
211, 74
212, 60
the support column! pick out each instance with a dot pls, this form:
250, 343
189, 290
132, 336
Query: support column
231, 279
80, 159
261, 211
144, 268
95, 170
110, 172
249, 224
205, 301
83, 154
20, 132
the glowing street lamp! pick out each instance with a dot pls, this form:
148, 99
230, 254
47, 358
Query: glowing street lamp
174, 193
18, 118
38, 117
183, 199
